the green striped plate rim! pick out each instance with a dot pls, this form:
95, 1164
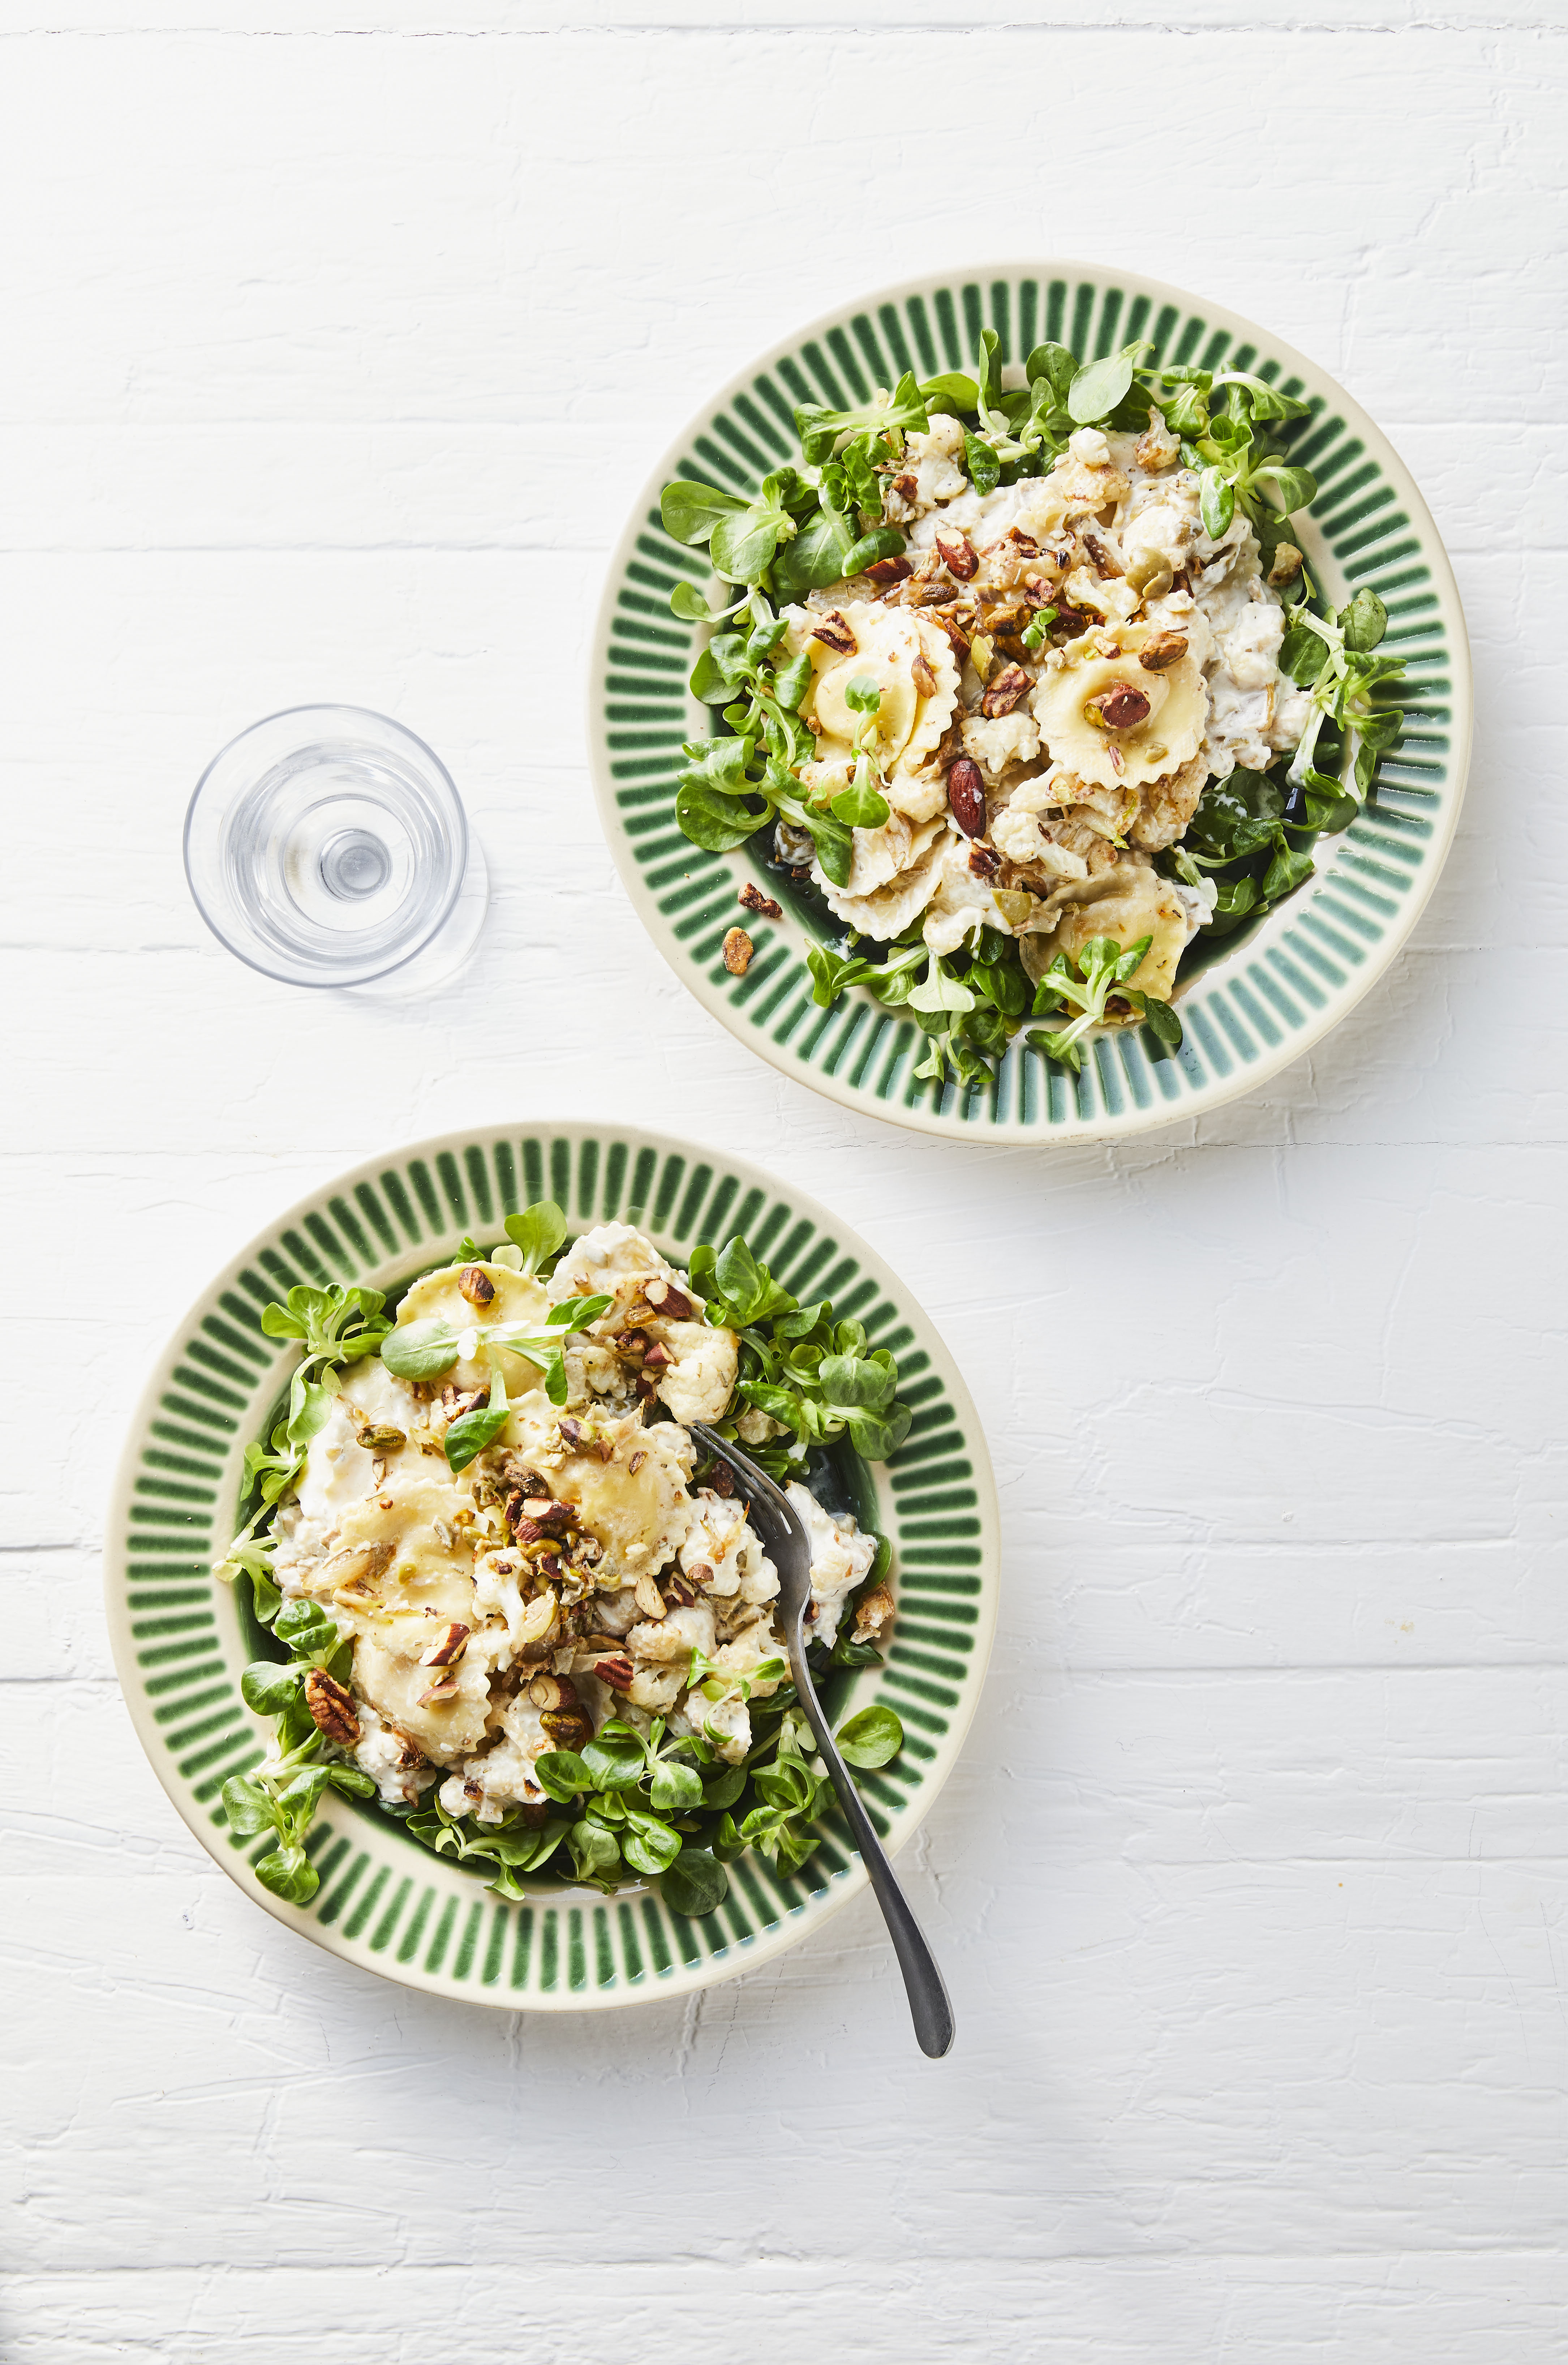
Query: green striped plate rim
1263, 999
180, 1640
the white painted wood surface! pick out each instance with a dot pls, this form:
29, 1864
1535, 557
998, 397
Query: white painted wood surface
332, 359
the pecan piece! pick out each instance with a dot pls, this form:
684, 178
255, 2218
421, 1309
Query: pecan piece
959, 555
617, 1672
738, 949
906, 486
409, 1753
888, 570
1025, 544
331, 1705
834, 633
753, 899
984, 861
668, 1300
475, 1285
965, 795
447, 1648
1120, 708
1003, 691
1163, 649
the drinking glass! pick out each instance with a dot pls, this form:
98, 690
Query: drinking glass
327, 845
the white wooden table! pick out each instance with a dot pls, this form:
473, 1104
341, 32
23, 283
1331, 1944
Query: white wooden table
332, 361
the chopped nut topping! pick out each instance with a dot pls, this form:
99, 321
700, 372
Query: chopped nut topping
516, 1474
763, 905
738, 949
617, 1672
1288, 563
1004, 691
955, 631
984, 861
1100, 558
447, 1648
568, 1728
889, 570
1120, 708
834, 633
475, 1285
377, 1436
872, 1614
959, 555
547, 1516
636, 1463
668, 1300
443, 1688
965, 796
1164, 649
330, 1703
920, 673
657, 1357
648, 1598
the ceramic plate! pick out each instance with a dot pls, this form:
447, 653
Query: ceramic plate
180, 1640
1265, 998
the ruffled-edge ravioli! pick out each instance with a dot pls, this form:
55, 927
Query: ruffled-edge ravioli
1138, 903
887, 910
1169, 737
518, 1299
908, 723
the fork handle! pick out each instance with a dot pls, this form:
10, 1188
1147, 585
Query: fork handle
928, 2004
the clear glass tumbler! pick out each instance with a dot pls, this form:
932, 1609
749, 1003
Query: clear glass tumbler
328, 845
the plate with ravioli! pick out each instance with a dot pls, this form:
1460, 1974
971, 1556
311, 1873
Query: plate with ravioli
1037, 704
447, 1631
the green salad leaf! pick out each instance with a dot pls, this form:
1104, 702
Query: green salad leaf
1085, 985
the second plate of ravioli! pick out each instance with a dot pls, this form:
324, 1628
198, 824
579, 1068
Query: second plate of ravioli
1250, 994
401, 1499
